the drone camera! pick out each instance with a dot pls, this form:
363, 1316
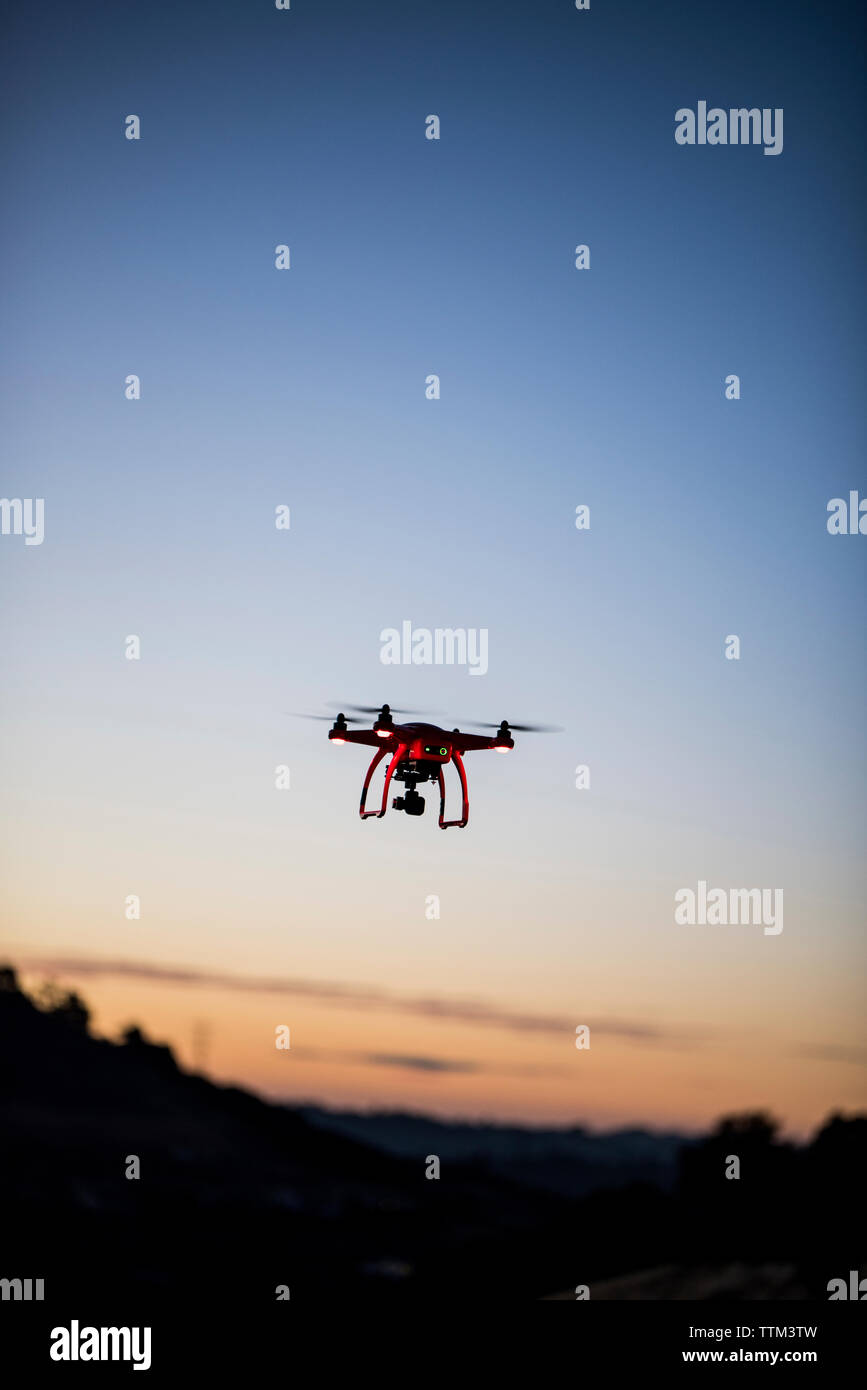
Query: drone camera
412, 803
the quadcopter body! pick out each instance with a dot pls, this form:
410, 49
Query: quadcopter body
419, 753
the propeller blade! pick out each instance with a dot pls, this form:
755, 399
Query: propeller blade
323, 718
538, 728
375, 709
519, 728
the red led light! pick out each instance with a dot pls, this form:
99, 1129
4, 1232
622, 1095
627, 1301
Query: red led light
383, 733
338, 740
501, 748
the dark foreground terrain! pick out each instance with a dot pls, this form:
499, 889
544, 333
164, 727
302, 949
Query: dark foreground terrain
238, 1197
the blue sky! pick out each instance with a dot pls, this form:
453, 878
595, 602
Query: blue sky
559, 387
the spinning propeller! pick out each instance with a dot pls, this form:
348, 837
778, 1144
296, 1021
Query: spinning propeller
507, 726
376, 709
361, 713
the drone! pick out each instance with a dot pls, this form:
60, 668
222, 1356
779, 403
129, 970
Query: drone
419, 752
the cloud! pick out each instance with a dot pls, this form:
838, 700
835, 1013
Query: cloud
834, 1052
432, 1065
436, 1064
334, 993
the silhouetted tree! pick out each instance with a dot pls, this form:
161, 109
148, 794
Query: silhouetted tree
748, 1216
156, 1054
74, 1013
64, 1005
831, 1200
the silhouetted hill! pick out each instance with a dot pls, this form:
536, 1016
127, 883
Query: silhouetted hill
237, 1196
570, 1162
231, 1186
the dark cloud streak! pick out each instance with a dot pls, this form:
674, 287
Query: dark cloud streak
335, 994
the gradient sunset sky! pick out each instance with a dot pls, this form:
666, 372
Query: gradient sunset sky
307, 388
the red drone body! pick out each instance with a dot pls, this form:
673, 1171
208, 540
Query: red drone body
419, 752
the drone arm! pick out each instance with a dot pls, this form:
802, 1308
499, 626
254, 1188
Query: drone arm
469, 743
465, 809
368, 736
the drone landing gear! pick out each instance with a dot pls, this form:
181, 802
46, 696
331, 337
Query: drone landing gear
411, 773
465, 809
392, 767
